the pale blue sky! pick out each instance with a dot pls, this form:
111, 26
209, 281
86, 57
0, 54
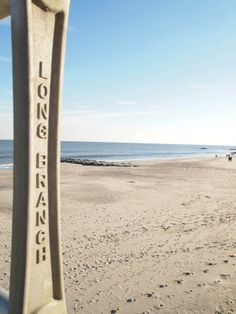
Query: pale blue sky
161, 71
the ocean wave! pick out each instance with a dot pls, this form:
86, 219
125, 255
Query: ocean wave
6, 166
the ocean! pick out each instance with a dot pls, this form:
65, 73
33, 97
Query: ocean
119, 151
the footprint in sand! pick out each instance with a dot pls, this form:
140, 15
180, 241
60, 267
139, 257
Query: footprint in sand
188, 291
158, 307
131, 300
225, 276
211, 264
150, 295
187, 273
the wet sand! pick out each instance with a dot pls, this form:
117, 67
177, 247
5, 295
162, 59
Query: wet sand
159, 238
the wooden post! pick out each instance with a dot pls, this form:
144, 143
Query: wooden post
38, 37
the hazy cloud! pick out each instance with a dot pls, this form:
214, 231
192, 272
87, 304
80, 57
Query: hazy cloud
78, 112
5, 104
130, 114
104, 115
127, 103
6, 22
73, 29
198, 86
5, 59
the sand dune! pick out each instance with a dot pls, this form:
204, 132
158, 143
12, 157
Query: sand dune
159, 238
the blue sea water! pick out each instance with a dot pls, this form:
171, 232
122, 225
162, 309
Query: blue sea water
119, 151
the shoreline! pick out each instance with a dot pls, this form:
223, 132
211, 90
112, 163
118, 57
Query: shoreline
124, 162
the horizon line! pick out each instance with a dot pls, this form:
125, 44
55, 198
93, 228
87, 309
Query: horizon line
147, 143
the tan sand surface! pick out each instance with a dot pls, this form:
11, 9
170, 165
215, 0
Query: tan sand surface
159, 238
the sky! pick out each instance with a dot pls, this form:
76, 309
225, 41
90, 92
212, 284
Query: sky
148, 71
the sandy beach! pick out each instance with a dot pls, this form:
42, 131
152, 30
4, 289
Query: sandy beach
158, 238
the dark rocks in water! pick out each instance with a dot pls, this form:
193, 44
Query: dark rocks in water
87, 162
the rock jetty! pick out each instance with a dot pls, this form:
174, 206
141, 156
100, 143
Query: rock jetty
87, 162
